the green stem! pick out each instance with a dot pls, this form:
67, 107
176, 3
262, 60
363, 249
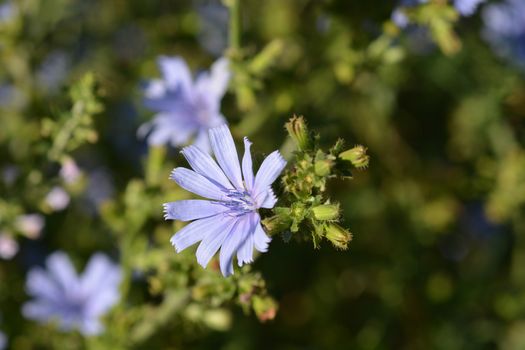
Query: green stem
66, 131
235, 28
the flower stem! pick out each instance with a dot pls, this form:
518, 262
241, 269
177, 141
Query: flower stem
234, 28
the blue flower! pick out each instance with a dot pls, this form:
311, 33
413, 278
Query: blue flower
398, 15
3, 341
464, 7
229, 220
213, 31
186, 109
467, 7
7, 11
505, 29
74, 302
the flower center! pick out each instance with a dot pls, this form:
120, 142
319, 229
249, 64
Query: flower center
240, 202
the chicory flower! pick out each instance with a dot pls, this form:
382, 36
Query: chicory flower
229, 219
75, 302
185, 108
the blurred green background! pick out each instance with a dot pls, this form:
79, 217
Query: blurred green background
438, 255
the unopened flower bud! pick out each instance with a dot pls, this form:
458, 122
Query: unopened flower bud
326, 212
8, 246
338, 236
30, 225
265, 308
323, 167
357, 156
298, 131
275, 224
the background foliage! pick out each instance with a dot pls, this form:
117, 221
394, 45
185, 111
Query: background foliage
438, 254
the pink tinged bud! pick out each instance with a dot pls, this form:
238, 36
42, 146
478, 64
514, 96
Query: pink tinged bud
69, 171
265, 308
8, 246
30, 225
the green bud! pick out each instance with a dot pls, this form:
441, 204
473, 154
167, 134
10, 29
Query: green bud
338, 236
326, 212
357, 156
276, 224
323, 163
298, 131
323, 167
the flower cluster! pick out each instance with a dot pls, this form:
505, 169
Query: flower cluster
307, 213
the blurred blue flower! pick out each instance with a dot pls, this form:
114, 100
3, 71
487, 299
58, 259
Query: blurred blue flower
229, 220
213, 31
100, 188
53, 71
467, 7
464, 7
186, 108
3, 341
74, 302
505, 29
7, 11
399, 17
12, 97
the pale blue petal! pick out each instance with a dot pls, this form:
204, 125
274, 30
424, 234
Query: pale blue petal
215, 83
247, 167
232, 242
144, 129
245, 252
192, 209
270, 169
91, 327
219, 77
196, 231
39, 284
154, 89
175, 73
167, 101
196, 183
159, 136
224, 149
38, 310
270, 200
62, 271
100, 273
202, 141
168, 128
215, 238
204, 164
260, 239
102, 302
